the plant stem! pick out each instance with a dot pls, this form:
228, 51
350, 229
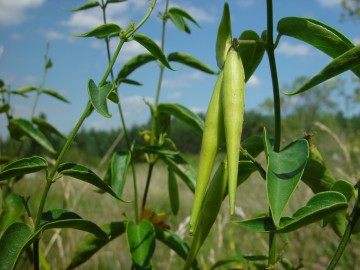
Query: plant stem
151, 166
276, 93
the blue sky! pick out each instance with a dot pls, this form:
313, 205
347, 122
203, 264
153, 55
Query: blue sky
27, 25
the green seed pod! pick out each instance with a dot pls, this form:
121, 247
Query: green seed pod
209, 211
212, 135
224, 37
233, 93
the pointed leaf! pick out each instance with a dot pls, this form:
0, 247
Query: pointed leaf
28, 128
115, 1
44, 125
173, 191
25, 89
11, 244
182, 168
175, 243
91, 244
182, 113
88, 5
13, 209
190, 61
54, 94
321, 205
284, 173
84, 174
251, 54
153, 48
128, 81
342, 63
178, 21
141, 241
23, 166
119, 166
318, 34
98, 97
184, 14
102, 31
133, 64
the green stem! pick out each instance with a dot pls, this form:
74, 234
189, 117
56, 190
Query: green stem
151, 166
277, 115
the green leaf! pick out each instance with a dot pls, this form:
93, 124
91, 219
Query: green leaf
49, 64
102, 31
90, 244
342, 63
321, 205
184, 14
179, 22
44, 125
190, 61
115, 1
4, 108
173, 191
25, 89
175, 243
345, 188
128, 81
251, 54
54, 94
238, 259
182, 113
182, 168
153, 149
28, 128
23, 166
119, 166
283, 173
141, 241
253, 145
11, 244
153, 48
318, 34
98, 97
13, 209
88, 5
133, 64
84, 174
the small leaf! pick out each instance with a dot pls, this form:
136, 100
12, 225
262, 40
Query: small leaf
318, 34
184, 14
28, 128
344, 62
153, 48
251, 54
84, 174
175, 243
49, 64
182, 113
23, 166
133, 64
102, 31
90, 244
11, 244
25, 89
54, 94
119, 166
173, 191
190, 61
98, 97
321, 205
141, 241
44, 125
128, 81
178, 21
115, 1
284, 173
13, 209
88, 5
182, 168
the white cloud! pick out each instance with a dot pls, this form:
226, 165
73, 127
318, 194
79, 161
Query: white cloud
330, 3
16, 36
253, 81
356, 40
129, 50
183, 80
289, 49
174, 96
54, 35
14, 12
199, 14
198, 109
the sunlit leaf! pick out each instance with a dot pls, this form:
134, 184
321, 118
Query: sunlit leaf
98, 97
184, 14
25, 89
190, 61
141, 241
283, 173
90, 244
153, 48
28, 128
320, 206
54, 94
84, 174
102, 31
185, 115
133, 64
23, 166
